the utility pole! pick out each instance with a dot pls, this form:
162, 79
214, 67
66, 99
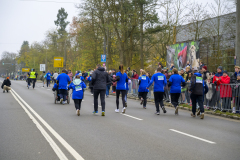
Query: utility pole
237, 49
65, 54
141, 36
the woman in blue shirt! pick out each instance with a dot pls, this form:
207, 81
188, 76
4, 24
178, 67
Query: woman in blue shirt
121, 79
77, 95
142, 90
175, 82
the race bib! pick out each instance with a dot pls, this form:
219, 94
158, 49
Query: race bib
78, 88
160, 78
199, 80
144, 78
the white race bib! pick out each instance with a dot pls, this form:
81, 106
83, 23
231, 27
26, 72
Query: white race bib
199, 80
144, 78
160, 78
78, 88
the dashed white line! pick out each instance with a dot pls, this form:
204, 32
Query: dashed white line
201, 139
131, 116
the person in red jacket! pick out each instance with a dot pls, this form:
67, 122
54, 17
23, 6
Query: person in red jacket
134, 82
225, 91
217, 93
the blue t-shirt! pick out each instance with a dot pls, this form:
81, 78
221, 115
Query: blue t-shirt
63, 80
55, 86
144, 83
77, 90
176, 83
121, 84
48, 75
160, 82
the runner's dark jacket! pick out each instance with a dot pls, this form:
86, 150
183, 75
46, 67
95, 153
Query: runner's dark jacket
100, 79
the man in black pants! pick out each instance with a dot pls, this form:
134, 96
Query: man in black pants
99, 80
197, 88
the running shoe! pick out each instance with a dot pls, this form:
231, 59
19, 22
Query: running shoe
157, 113
95, 112
198, 113
7, 91
3, 91
91, 94
141, 101
144, 107
164, 110
193, 115
103, 113
117, 110
78, 112
126, 104
202, 116
176, 111
61, 100
124, 110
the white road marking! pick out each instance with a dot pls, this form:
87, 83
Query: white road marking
54, 133
48, 89
55, 147
201, 139
131, 116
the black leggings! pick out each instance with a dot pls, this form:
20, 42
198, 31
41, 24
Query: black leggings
77, 103
158, 97
123, 97
143, 95
174, 99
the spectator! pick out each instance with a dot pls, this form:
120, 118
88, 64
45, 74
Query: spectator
225, 91
210, 92
205, 73
201, 65
172, 66
237, 94
55, 75
233, 80
216, 95
188, 65
6, 85
135, 82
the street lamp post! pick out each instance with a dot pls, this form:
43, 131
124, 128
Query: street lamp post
237, 49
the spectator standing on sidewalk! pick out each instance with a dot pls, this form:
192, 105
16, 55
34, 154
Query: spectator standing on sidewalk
205, 73
225, 91
233, 80
216, 95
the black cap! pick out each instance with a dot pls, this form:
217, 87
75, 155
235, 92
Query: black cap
225, 72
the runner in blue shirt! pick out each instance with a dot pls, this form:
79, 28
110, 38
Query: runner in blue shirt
160, 82
121, 79
48, 77
142, 90
63, 80
175, 82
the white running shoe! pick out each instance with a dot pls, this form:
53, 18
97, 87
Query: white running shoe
78, 112
124, 110
117, 110
91, 94
63, 102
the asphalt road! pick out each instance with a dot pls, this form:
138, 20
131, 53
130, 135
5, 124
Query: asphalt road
54, 131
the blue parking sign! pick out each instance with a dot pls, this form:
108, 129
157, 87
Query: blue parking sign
103, 58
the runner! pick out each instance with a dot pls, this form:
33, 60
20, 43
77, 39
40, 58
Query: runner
33, 76
63, 80
121, 79
77, 95
160, 81
142, 90
175, 82
48, 77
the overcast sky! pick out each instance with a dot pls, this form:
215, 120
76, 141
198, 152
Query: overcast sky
30, 20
